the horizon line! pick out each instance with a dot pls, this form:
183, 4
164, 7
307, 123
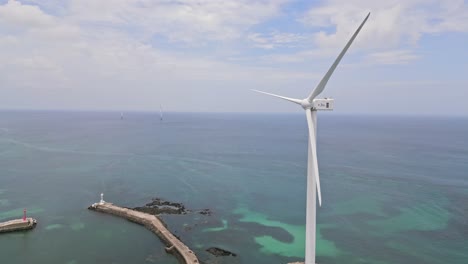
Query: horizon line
220, 112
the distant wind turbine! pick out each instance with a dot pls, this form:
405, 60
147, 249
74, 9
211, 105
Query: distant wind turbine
311, 106
160, 112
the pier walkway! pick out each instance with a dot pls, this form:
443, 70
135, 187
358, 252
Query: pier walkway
174, 245
17, 225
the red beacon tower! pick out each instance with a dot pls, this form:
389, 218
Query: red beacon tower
24, 214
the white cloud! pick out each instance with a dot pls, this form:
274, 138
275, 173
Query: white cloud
390, 36
277, 39
392, 57
393, 23
13, 14
186, 21
62, 63
305, 55
78, 42
107, 54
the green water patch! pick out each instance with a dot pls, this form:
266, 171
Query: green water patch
441, 249
18, 213
423, 217
217, 229
424, 257
296, 248
105, 234
368, 261
77, 226
4, 202
73, 261
53, 227
358, 205
198, 245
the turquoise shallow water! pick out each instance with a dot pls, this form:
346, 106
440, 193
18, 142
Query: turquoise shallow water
394, 188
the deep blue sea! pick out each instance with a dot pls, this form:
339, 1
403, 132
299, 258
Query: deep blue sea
395, 189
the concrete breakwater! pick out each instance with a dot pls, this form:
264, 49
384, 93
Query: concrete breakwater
173, 245
18, 225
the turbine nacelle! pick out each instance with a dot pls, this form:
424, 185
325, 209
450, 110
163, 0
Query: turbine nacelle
323, 104
317, 104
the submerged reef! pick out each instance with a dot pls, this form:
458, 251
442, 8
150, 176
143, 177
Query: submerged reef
159, 206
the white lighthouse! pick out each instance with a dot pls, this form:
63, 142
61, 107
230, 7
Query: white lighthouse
101, 202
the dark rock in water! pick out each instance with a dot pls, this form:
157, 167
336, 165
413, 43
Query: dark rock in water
205, 212
220, 252
160, 206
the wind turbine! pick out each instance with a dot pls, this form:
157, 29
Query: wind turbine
311, 106
160, 112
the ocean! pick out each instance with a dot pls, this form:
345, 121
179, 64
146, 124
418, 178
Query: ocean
394, 189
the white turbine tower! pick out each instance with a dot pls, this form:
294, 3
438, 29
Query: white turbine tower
311, 105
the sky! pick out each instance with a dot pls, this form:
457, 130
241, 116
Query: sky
411, 57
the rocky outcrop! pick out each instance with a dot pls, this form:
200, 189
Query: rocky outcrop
220, 252
159, 206
205, 212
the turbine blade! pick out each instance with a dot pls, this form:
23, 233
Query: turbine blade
311, 117
297, 101
327, 76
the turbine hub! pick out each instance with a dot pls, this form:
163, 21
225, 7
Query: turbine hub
306, 104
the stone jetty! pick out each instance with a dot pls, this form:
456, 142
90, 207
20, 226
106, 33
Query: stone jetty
18, 225
173, 245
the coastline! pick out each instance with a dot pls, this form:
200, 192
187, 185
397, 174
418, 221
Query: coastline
173, 245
